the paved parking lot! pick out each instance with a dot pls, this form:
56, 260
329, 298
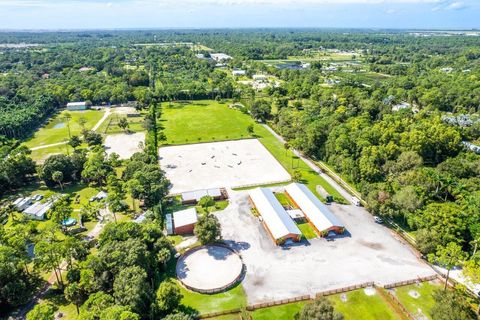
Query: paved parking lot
367, 252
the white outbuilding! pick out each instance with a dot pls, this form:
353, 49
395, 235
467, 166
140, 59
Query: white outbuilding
276, 220
318, 214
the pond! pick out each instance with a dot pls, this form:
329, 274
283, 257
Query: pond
59, 125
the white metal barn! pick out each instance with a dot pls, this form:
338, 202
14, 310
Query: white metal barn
319, 216
276, 220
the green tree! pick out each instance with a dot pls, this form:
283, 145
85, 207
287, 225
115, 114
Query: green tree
57, 176
44, 311
67, 117
208, 229
49, 255
320, 309
97, 168
250, 129
74, 293
61, 210
179, 316
206, 202
123, 124
448, 257
75, 142
131, 289
451, 305
297, 176
168, 296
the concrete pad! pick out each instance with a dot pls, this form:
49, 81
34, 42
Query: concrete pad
220, 164
209, 268
124, 144
366, 252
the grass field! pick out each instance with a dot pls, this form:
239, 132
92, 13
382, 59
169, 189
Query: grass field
205, 303
40, 155
56, 130
361, 306
203, 121
286, 311
423, 304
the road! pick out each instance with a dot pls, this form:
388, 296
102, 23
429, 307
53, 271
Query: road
344, 193
95, 128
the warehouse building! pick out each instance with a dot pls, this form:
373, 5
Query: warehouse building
276, 220
77, 106
318, 214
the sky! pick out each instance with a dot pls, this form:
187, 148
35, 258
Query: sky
138, 14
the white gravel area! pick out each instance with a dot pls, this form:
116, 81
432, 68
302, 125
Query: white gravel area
366, 252
124, 144
220, 164
209, 268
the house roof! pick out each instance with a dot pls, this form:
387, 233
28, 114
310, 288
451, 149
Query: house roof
185, 217
274, 215
318, 213
76, 104
38, 209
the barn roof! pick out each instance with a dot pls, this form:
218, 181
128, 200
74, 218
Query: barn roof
185, 217
274, 215
318, 213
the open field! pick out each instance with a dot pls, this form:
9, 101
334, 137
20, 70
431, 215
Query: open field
366, 252
220, 164
286, 311
203, 121
418, 298
40, 155
56, 130
360, 305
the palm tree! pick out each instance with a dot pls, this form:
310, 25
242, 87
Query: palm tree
67, 117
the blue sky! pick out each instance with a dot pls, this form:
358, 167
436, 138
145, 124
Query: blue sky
97, 14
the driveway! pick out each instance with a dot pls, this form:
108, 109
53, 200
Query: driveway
367, 252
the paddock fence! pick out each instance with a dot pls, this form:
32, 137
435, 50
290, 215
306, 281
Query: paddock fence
344, 289
392, 299
254, 307
411, 281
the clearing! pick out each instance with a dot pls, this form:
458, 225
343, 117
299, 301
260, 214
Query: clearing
124, 144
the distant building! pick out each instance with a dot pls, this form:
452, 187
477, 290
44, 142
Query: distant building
404, 105
200, 56
236, 73
472, 147
220, 57
77, 106
184, 221
259, 77
22, 203
85, 69
38, 210
447, 69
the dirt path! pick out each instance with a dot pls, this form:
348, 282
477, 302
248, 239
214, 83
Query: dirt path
95, 128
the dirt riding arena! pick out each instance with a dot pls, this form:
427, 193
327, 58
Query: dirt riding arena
209, 269
220, 164
125, 144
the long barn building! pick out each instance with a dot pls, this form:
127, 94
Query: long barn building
319, 216
276, 220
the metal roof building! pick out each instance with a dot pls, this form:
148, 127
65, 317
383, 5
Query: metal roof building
276, 220
195, 196
322, 219
184, 221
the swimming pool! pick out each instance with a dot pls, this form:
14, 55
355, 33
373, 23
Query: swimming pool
69, 222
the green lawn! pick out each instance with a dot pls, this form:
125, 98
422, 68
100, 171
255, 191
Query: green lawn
206, 303
284, 312
41, 155
422, 305
203, 121
56, 129
307, 230
361, 306
283, 199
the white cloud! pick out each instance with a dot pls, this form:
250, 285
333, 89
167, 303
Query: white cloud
456, 6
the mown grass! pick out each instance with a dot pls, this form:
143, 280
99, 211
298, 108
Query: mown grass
422, 305
48, 134
203, 121
361, 306
307, 230
286, 311
110, 125
206, 303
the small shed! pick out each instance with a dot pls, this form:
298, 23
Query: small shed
184, 221
192, 197
77, 106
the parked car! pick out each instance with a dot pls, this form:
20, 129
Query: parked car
378, 219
